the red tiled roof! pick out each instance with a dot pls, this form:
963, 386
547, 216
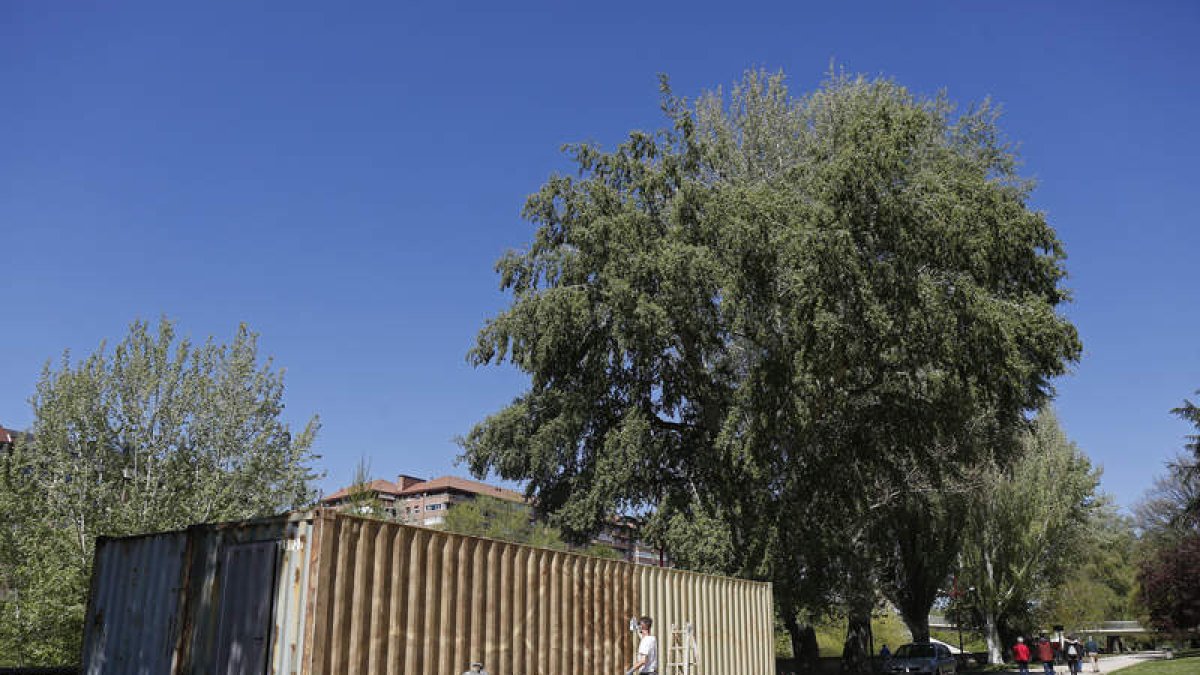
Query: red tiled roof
443, 484
464, 485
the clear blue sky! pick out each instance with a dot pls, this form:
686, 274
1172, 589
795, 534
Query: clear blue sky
342, 177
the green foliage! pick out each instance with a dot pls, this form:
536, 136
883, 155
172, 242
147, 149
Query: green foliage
1026, 525
776, 314
507, 521
918, 539
1190, 469
155, 435
1169, 518
1102, 585
1165, 513
360, 498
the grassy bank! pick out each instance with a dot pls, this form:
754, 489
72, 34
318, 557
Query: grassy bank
886, 627
1185, 664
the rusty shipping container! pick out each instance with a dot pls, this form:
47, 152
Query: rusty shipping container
333, 594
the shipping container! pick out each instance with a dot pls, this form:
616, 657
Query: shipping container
327, 593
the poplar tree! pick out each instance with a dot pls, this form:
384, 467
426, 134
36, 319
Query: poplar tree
1026, 526
155, 434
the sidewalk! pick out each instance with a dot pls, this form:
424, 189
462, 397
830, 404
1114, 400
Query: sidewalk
1108, 664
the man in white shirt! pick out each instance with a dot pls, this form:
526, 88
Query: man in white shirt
647, 663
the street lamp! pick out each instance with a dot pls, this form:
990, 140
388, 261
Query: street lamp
970, 590
958, 596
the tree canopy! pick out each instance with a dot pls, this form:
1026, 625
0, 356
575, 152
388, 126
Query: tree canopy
772, 311
1025, 526
1169, 517
1190, 467
156, 434
495, 518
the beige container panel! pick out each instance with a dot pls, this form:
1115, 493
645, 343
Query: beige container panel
732, 620
396, 599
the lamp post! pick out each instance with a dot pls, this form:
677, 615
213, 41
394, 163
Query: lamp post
961, 653
955, 595
958, 620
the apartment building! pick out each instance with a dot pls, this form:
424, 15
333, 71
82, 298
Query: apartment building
416, 501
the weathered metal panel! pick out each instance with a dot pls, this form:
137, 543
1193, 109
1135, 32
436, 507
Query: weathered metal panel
244, 614
133, 617
390, 598
288, 534
156, 600
291, 597
354, 595
397, 599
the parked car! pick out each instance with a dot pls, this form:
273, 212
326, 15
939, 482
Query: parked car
922, 657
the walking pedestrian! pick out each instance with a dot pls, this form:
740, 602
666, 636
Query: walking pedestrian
1021, 655
1045, 654
1074, 653
1093, 653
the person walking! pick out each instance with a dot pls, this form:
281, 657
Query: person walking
1073, 651
647, 663
1021, 655
1045, 654
1093, 653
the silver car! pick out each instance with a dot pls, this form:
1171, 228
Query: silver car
922, 657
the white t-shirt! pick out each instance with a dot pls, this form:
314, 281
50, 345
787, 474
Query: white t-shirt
648, 649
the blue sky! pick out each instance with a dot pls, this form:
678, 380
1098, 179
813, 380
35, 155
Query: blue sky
343, 176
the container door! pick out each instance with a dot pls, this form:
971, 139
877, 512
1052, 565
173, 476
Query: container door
244, 615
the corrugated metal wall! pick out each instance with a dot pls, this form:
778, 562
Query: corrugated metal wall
368, 597
155, 606
398, 599
391, 599
732, 618
292, 535
133, 619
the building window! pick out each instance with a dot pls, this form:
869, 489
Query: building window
434, 507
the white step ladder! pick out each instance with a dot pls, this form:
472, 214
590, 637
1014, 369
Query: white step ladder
683, 653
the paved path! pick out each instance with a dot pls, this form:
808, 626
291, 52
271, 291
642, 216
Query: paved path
1108, 664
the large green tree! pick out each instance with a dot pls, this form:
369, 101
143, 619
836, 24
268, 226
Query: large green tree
1190, 467
1026, 524
157, 433
774, 310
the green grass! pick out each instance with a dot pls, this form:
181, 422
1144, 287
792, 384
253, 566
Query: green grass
886, 627
1189, 665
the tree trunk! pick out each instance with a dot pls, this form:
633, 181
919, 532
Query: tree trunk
992, 635
856, 652
917, 625
793, 629
804, 642
812, 651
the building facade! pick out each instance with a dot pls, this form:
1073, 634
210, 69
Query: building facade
416, 501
